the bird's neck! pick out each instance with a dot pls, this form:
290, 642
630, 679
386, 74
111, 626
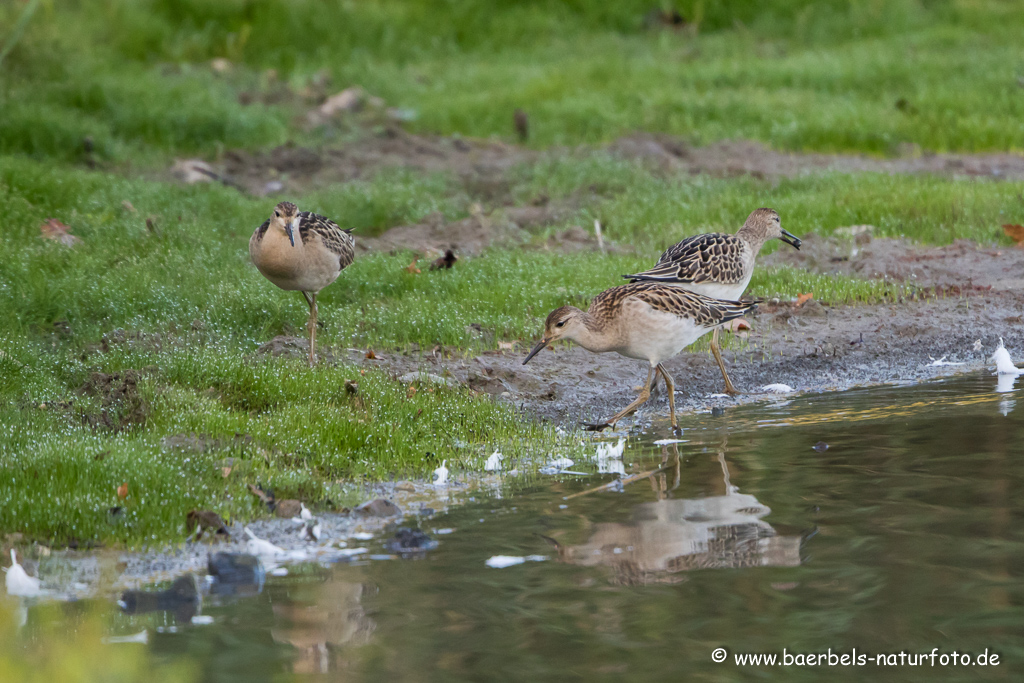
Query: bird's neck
752, 236
593, 336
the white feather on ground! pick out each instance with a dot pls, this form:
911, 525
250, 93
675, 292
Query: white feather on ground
611, 450
261, 548
493, 463
1004, 364
19, 582
441, 474
777, 389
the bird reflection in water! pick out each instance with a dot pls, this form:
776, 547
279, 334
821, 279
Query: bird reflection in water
669, 536
324, 628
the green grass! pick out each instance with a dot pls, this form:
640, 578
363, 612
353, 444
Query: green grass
850, 76
304, 435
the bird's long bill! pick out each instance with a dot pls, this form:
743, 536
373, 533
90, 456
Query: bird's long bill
536, 349
790, 238
292, 228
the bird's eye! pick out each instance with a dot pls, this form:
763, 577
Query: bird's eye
277, 214
561, 324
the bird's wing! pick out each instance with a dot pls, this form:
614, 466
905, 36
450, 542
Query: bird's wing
338, 241
705, 311
711, 257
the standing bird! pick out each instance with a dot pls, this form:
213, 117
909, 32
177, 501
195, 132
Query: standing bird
645, 320
718, 265
301, 251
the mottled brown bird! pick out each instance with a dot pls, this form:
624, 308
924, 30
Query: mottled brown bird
521, 121
648, 321
301, 251
201, 520
718, 265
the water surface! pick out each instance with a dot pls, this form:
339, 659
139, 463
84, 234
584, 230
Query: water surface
904, 534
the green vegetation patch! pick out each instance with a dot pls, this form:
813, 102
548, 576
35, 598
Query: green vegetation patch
135, 75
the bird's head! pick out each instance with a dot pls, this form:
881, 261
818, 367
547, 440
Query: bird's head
566, 322
765, 224
286, 219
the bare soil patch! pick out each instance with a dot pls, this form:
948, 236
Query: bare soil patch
121, 405
482, 166
963, 267
746, 157
515, 226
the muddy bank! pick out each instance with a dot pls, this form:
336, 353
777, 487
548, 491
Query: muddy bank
812, 348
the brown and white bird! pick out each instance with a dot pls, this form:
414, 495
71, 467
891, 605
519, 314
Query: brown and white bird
303, 251
718, 265
648, 321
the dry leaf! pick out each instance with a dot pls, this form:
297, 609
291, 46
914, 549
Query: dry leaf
411, 391
411, 268
122, 491
801, 299
1015, 232
370, 355
225, 472
53, 229
738, 325
506, 346
128, 206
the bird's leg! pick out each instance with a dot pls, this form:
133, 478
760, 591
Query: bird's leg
640, 400
311, 299
671, 387
729, 388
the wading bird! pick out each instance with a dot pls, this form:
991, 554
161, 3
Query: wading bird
644, 320
299, 250
718, 265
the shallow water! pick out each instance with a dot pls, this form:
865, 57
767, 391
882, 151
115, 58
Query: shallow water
904, 534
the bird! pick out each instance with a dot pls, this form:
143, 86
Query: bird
649, 321
199, 521
718, 265
300, 250
444, 262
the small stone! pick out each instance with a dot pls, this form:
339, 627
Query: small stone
405, 486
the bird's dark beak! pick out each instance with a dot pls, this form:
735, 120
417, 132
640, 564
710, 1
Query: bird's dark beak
536, 349
291, 228
790, 238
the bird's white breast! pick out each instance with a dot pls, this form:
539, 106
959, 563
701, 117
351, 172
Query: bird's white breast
654, 335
